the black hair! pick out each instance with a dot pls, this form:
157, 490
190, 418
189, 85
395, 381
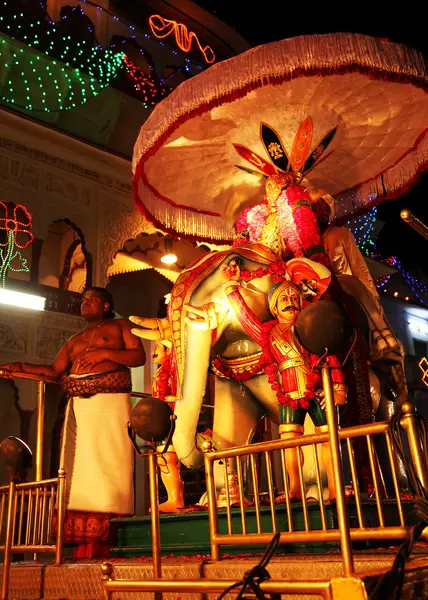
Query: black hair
107, 297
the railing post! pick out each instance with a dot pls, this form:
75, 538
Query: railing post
8, 542
107, 571
211, 499
408, 422
59, 552
154, 504
40, 428
342, 507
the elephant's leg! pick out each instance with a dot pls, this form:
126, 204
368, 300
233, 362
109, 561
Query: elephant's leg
266, 396
236, 416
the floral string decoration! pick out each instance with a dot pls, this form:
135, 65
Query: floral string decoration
163, 378
15, 232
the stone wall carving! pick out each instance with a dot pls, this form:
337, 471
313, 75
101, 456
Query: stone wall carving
19, 172
49, 341
64, 165
13, 338
34, 336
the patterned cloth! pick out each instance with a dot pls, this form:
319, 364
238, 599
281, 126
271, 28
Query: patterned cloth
98, 458
113, 382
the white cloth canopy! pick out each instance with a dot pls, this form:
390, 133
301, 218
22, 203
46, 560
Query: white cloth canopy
373, 91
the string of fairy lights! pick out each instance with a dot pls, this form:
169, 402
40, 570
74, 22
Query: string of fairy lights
363, 229
61, 72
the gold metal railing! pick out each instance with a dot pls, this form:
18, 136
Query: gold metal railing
414, 222
29, 514
279, 517
322, 588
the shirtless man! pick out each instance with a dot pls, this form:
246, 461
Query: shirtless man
96, 452
104, 345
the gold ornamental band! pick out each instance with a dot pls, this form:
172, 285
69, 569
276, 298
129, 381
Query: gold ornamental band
291, 362
230, 286
339, 387
290, 428
242, 361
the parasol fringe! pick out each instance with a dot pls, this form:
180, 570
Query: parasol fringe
225, 82
386, 186
189, 223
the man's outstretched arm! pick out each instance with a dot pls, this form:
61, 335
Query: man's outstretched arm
59, 366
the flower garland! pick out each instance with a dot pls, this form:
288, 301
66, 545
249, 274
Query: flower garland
287, 225
305, 222
250, 223
297, 222
163, 378
277, 270
220, 366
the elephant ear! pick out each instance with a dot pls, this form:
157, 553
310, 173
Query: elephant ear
188, 281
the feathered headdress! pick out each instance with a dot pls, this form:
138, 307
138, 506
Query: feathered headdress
300, 161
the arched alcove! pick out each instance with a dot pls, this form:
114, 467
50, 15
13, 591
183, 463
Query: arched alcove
64, 261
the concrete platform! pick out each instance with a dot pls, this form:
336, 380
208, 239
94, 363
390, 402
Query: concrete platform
83, 580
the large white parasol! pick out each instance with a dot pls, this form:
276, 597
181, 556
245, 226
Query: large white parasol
365, 100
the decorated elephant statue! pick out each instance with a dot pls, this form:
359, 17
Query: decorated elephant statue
211, 336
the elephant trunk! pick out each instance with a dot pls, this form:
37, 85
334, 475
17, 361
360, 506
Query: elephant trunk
187, 409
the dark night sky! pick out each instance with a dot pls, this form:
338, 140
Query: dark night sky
401, 22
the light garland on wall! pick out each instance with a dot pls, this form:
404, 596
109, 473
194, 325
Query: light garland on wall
423, 365
133, 29
27, 81
151, 93
419, 289
362, 228
17, 232
37, 75
162, 28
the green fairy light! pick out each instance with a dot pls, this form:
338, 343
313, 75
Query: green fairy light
15, 228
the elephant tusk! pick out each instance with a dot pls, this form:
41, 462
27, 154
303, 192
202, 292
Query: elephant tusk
150, 323
147, 334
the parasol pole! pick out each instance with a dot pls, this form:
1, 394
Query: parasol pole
417, 225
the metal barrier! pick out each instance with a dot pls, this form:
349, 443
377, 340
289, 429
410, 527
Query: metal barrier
31, 510
279, 517
349, 585
329, 590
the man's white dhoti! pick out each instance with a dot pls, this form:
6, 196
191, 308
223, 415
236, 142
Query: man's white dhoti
97, 454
